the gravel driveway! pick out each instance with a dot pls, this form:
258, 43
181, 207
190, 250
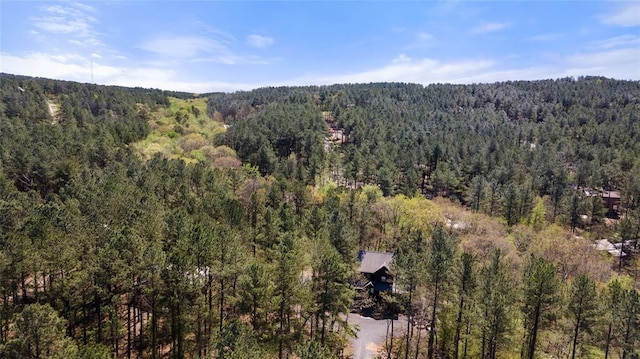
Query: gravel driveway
372, 334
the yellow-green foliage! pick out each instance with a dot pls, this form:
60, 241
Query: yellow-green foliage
198, 155
217, 152
417, 213
192, 141
372, 193
572, 255
538, 215
183, 130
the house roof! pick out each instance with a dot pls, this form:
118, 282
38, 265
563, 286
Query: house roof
611, 194
371, 262
604, 245
617, 253
591, 192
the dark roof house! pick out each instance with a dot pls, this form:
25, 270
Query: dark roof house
376, 268
611, 200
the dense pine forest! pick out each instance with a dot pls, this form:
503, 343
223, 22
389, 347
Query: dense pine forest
140, 223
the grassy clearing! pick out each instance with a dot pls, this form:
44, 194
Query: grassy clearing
184, 131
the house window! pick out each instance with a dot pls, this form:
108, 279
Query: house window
383, 278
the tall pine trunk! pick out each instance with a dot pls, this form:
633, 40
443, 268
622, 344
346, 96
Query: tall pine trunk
221, 323
410, 316
534, 333
418, 342
324, 311
141, 323
281, 330
432, 332
129, 329
575, 338
458, 326
154, 328
466, 340
98, 306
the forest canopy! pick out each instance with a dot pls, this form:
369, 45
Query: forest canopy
146, 223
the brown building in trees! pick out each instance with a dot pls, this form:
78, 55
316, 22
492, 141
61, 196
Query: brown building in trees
611, 200
376, 268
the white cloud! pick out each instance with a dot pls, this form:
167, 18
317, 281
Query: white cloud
59, 25
626, 14
544, 37
72, 21
421, 40
259, 41
444, 8
37, 35
87, 41
199, 49
620, 64
617, 57
70, 67
406, 69
74, 67
64, 20
423, 36
617, 42
230, 58
182, 46
401, 59
84, 7
490, 27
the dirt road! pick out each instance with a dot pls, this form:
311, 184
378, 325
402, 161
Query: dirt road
54, 110
372, 334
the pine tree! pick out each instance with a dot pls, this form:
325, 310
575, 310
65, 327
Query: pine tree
40, 333
287, 288
441, 259
582, 308
409, 261
630, 322
465, 295
541, 285
614, 293
495, 301
333, 294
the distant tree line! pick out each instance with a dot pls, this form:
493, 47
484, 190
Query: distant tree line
492, 147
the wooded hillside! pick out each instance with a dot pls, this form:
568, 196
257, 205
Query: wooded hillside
153, 224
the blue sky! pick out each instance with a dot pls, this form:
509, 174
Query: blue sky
204, 46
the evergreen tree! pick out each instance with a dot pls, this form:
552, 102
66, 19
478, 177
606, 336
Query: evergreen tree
582, 308
40, 334
287, 288
255, 293
540, 292
477, 193
441, 257
467, 286
614, 293
496, 295
410, 259
630, 322
334, 295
